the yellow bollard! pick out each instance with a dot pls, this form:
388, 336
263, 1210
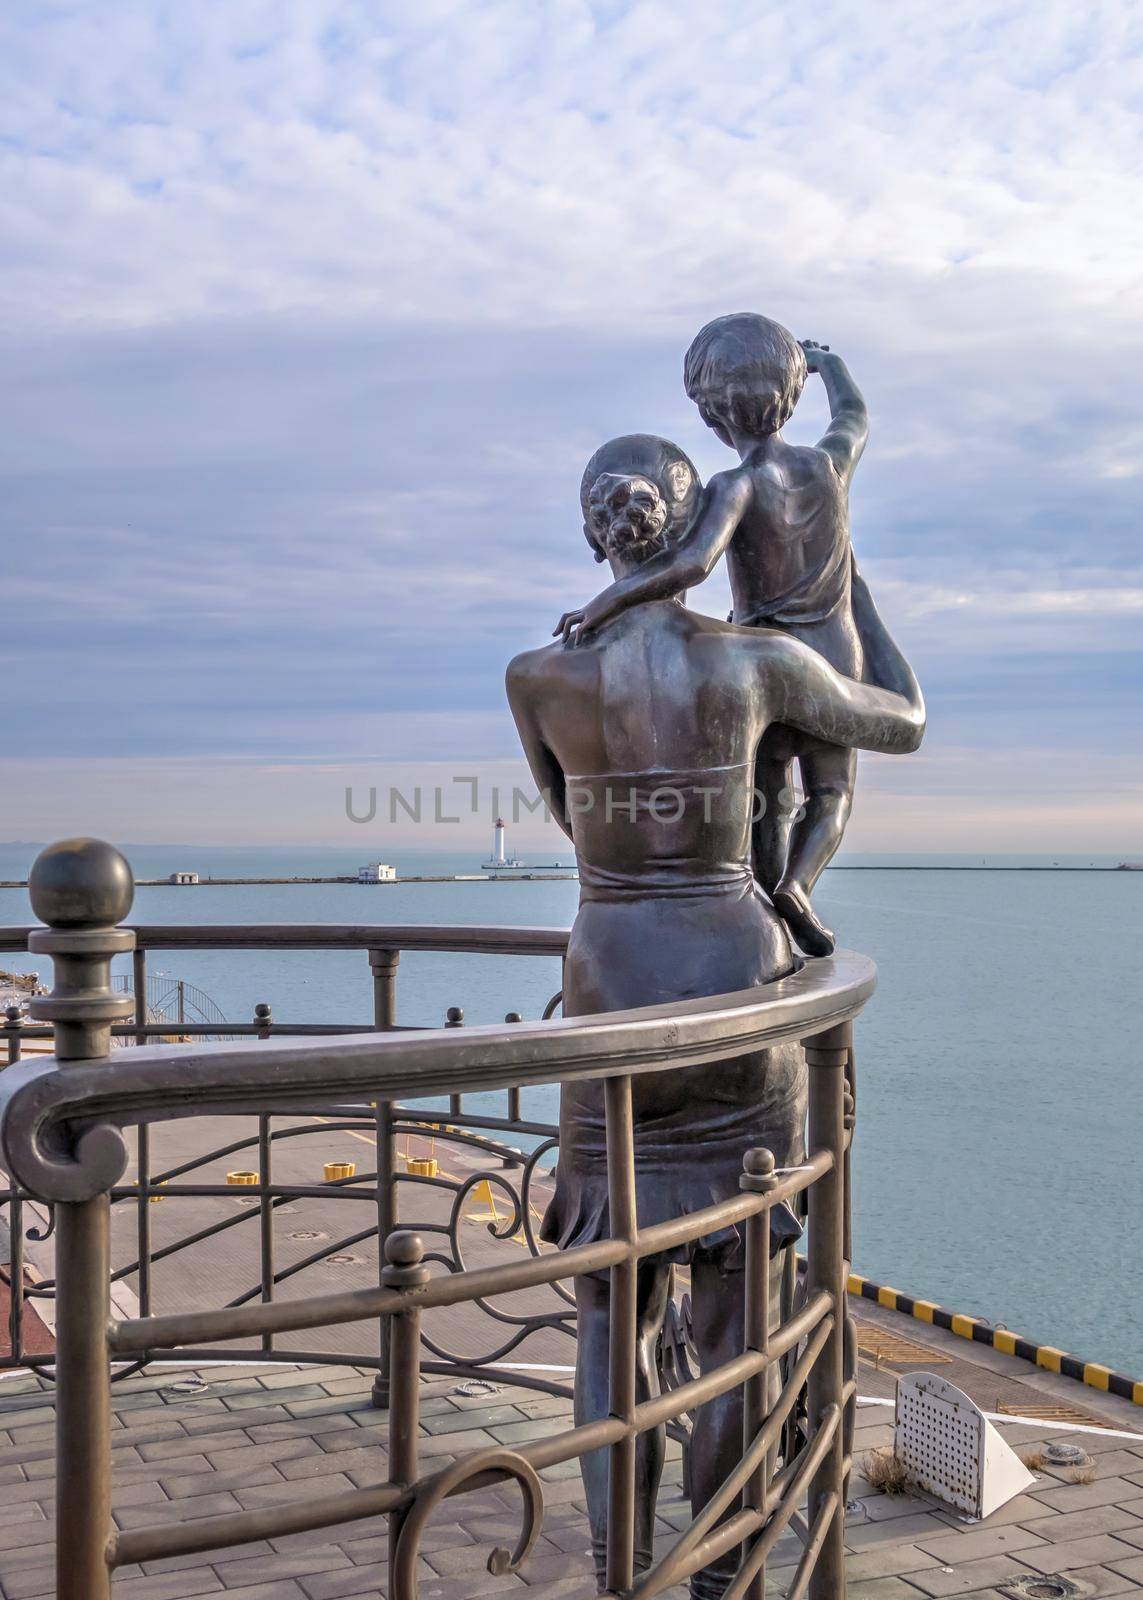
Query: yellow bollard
423, 1166
339, 1169
242, 1180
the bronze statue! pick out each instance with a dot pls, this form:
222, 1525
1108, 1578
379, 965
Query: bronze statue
645, 740
782, 518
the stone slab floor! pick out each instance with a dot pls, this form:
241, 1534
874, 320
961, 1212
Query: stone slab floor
254, 1436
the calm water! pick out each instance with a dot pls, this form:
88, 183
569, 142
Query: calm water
998, 1163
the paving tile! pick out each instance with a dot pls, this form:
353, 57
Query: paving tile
1102, 1550
1080, 1496
202, 1505
1084, 1524
918, 1530
273, 1567
882, 1589
279, 1589
961, 1577
168, 1586
483, 1417
463, 1588
975, 1543
284, 1493
180, 1485
1131, 1567
254, 1399
888, 1561
1100, 1583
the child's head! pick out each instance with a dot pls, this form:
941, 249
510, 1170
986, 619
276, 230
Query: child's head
745, 373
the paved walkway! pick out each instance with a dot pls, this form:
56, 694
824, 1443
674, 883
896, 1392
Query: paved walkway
251, 1437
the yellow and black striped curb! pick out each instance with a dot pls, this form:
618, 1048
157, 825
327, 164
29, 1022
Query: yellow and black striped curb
1009, 1344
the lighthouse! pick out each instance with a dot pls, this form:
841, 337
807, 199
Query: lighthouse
499, 859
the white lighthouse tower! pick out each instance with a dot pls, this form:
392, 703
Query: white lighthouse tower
500, 860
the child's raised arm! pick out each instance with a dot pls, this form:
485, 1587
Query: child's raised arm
844, 439
671, 571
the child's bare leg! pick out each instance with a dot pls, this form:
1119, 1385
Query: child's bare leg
773, 816
828, 775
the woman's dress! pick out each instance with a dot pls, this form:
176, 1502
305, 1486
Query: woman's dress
669, 910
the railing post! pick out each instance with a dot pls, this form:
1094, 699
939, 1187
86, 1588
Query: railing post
405, 1269
383, 965
622, 1333
849, 1431
757, 1178
81, 888
142, 1145
826, 1056
13, 1027
454, 1018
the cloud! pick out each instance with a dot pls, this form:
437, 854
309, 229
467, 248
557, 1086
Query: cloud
311, 317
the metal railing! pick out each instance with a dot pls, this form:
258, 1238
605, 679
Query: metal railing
62, 1136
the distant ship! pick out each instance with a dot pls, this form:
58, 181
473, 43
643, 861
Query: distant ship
501, 861
1130, 866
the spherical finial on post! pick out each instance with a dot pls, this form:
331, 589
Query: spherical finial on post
404, 1253
454, 1017
81, 888
758, 1166
404, 1248
81, 883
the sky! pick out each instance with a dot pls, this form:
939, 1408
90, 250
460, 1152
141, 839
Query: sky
311, 314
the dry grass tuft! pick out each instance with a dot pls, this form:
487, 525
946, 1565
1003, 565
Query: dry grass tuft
886, 1472
1082, 1474
1035, 1460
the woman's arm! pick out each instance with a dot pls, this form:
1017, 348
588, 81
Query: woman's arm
884, 663
802, 689
542, 764
673, 571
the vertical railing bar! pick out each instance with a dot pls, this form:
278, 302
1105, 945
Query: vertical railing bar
142, 1146
454, 1018
263, 1017
758, 1177
826, 1057
16, 1290
266, 1217
81, 889
383, 964
622, 1333
83, 1399
13, 1026
849, 1360
404, 1269
514, 1102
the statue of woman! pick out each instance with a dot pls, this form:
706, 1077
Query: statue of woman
644, 737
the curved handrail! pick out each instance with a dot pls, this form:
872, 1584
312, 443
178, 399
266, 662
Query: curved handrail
60, 1125
456, 939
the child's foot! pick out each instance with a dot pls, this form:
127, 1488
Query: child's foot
793, 905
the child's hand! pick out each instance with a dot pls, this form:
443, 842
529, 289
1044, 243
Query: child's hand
813, 351
576, 625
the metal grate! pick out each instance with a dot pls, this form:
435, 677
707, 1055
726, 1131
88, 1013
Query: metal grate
882, 1348
1051, 1413
939, 1442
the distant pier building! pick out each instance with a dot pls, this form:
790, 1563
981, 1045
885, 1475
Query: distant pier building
377, 872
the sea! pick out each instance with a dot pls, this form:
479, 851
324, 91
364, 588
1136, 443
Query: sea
999, 1153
